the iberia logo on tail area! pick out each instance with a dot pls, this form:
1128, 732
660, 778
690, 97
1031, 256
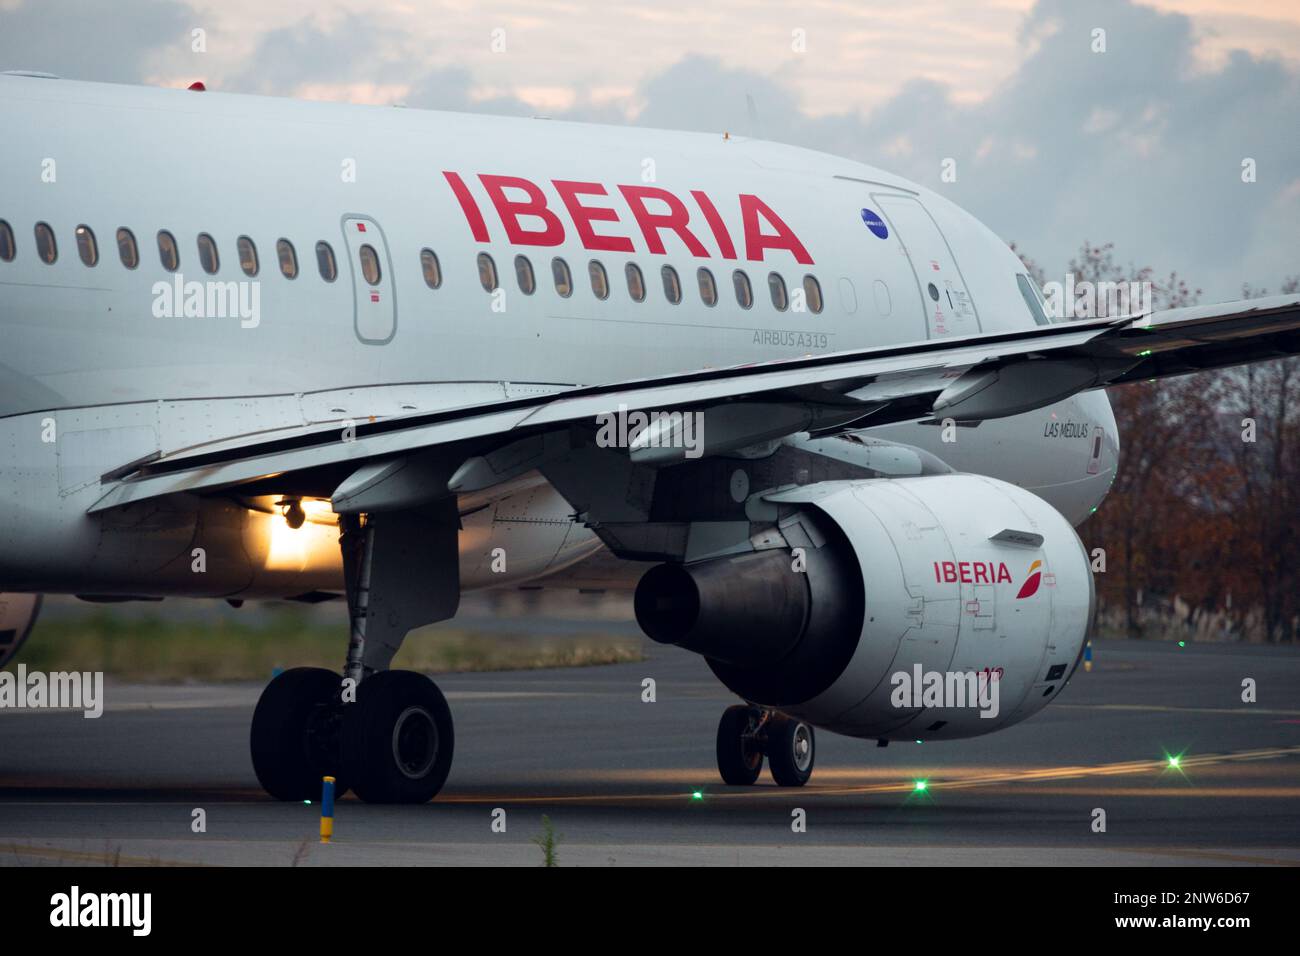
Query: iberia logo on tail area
1030, 587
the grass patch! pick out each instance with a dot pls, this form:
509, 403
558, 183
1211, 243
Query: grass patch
547, 841
149, 647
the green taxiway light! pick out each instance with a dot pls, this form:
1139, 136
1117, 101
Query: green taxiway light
922, 785
697, 794
1173, 761
1182, 643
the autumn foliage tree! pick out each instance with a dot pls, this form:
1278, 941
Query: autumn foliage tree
1201, 522
1250, 492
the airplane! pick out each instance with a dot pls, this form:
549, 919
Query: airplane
815, 415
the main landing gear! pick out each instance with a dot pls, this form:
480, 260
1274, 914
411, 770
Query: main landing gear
385, 734
747, 734
394, 744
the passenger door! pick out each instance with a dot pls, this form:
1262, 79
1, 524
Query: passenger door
947, 304
374, 298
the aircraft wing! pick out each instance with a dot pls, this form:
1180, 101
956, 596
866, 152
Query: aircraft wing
969, 379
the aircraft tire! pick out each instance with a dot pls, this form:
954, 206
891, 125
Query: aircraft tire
397, 739
740, 759
791, 749
288, 736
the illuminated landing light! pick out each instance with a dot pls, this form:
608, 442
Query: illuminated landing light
294, 515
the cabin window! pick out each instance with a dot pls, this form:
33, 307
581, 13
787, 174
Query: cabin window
599, 280
635, 282
208, 257
87, 248
708, 288
7, 245
812, 294
127, 250
46, 247
524, 275
326, 264
563, 278
776, 286
487, 272
369, 264
168, 254
744, 292
672, 284
284, 251
247, 250
431, 269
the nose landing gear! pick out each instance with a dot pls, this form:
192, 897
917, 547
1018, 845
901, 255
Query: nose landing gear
747, 734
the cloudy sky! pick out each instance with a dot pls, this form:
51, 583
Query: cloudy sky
1141, 145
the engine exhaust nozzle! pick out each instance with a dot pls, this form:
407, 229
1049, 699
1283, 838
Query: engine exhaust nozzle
747, 610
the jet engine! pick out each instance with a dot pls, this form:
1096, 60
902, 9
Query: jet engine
928, 607
17, 616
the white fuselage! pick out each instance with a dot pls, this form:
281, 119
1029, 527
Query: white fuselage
100, 366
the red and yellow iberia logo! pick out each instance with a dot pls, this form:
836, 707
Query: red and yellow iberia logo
1030, 587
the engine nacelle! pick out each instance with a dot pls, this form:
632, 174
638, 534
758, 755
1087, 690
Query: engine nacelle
942, 577
17, 616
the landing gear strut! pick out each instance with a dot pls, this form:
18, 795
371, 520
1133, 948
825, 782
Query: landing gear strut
386, 734
747, 734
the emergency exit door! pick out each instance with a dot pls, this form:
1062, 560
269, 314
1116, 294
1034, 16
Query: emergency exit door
947, 303
375, 303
